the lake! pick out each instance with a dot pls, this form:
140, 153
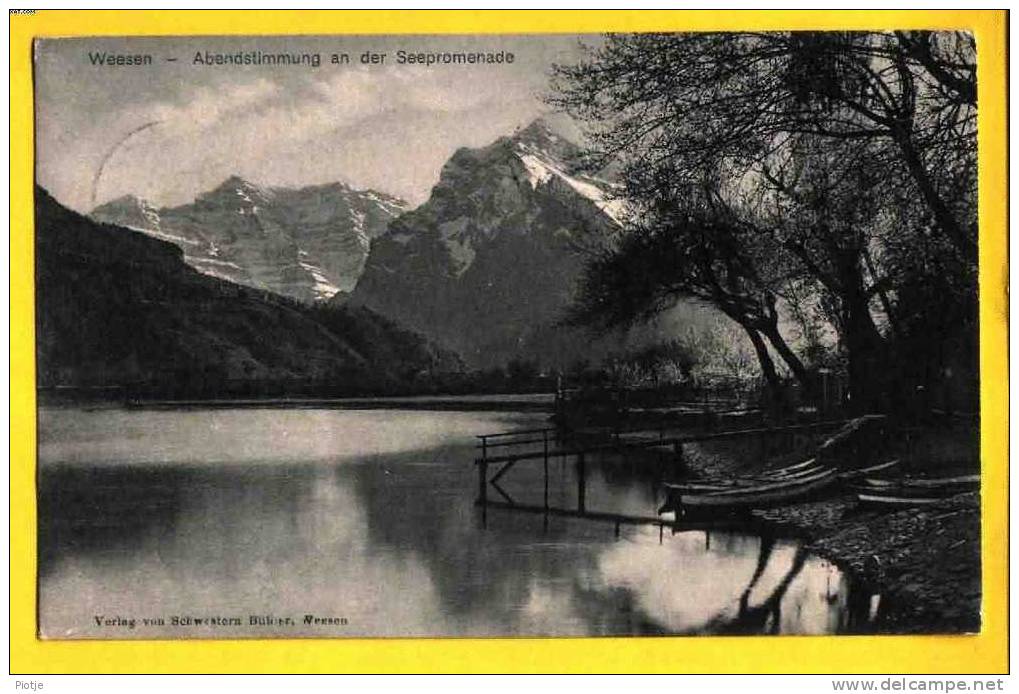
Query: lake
330, 522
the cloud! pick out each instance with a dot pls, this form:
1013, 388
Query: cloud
304, 111
387, 127
208, 107
216, 132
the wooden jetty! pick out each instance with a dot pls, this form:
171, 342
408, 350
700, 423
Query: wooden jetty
552, 446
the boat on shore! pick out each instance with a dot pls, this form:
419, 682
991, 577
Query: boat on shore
919, 491
884, 468
792, 472
896, 501
771, 487
766, 493
962, 481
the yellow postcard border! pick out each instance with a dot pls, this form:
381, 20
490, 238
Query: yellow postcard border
983, 653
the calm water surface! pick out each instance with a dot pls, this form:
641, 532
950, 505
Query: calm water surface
366, 519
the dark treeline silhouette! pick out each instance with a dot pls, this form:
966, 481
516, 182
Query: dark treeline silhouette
827, 177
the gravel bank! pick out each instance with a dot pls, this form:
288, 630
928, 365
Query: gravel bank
924, 562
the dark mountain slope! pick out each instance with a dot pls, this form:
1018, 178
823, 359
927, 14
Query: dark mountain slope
118, 308
487, 265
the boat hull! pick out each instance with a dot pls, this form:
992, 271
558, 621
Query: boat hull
891, 501
763, 496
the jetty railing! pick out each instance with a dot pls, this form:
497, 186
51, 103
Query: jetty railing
580, 452
508, 438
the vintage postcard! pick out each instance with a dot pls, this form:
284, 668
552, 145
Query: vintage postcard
502, 335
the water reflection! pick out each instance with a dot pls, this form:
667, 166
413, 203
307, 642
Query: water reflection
369, 516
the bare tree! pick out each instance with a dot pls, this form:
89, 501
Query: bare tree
688, 101
810, 142
686, 250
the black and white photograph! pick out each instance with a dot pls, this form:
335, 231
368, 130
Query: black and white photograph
537, 335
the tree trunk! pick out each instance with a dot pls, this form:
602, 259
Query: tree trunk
882, 294
789, 357
767, 364
868, 368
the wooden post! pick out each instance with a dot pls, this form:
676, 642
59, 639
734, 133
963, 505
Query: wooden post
483, 482
545, 462
546, 484
678, 464
581, 482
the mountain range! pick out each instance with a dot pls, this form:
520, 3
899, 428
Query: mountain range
484, 268
115, 307
307, 243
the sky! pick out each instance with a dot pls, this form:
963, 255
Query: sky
384, 126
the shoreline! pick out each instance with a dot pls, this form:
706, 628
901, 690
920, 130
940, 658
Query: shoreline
924, 562
522, 402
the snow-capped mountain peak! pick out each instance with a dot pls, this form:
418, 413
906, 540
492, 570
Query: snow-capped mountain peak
490, 259
239, 192
308, 243
541, 136
548, 156
130, 210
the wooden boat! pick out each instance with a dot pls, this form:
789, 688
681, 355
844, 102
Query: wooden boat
759, 496
920, 485
798, 474
737, 483
807, 467
702, 486
897, 501
913, 492
927, 482
791, 469
885, 468
772, 487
